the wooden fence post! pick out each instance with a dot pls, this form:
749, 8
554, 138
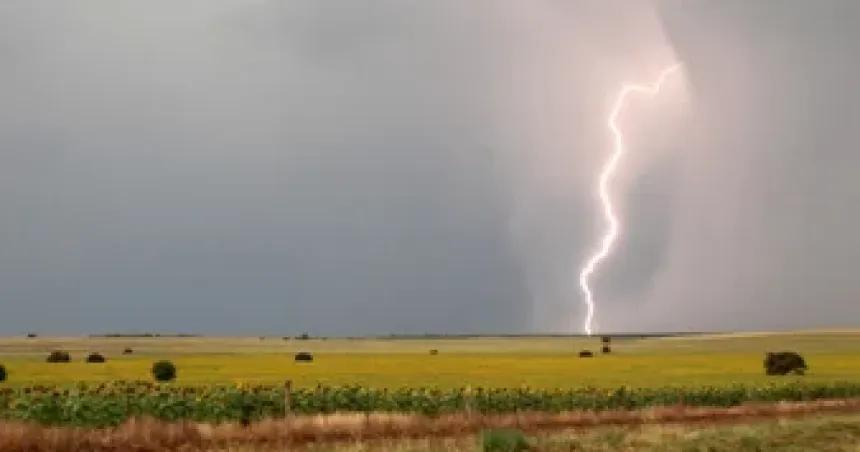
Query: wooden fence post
288, 397
468, 401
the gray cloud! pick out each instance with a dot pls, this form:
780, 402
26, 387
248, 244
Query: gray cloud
369, 167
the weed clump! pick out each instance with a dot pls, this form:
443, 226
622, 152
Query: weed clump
506, 440
586, 354
783, 363
59, 356
3, 374
163, 371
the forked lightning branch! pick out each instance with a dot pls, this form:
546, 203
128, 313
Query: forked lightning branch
606, 175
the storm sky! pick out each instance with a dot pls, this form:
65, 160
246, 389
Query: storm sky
391, 166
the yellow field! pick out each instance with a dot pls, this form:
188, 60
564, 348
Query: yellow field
487, 362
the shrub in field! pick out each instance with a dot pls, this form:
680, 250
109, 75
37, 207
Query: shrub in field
59, 356
504, 441
163, 371
434, 352
3, 373
95, 358
586, 354
783, 363
127, 351
304, 357
32, 335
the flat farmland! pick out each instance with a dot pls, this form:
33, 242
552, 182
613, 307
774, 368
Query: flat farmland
536, 362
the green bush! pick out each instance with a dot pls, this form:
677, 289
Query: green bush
164, 371
3, 373
783, 363
59, 356
504, 441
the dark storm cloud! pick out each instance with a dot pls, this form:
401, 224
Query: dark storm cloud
238, 167
396, 166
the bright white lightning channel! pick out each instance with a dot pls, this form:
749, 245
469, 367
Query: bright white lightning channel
603, 186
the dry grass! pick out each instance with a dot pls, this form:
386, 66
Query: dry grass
150, 435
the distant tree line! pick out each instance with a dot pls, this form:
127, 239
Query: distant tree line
145, 335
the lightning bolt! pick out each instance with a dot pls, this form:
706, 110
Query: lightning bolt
603, 186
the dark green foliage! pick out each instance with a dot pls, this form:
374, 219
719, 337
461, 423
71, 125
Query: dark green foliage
304, 337
504, 441
163, 371
304, 357
59, 356
112, 403
95, 358
3, 374
783, 363
586, 354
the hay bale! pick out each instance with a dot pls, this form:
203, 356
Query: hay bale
783, 363
586, 354
95, 358
304, 357
59, 356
